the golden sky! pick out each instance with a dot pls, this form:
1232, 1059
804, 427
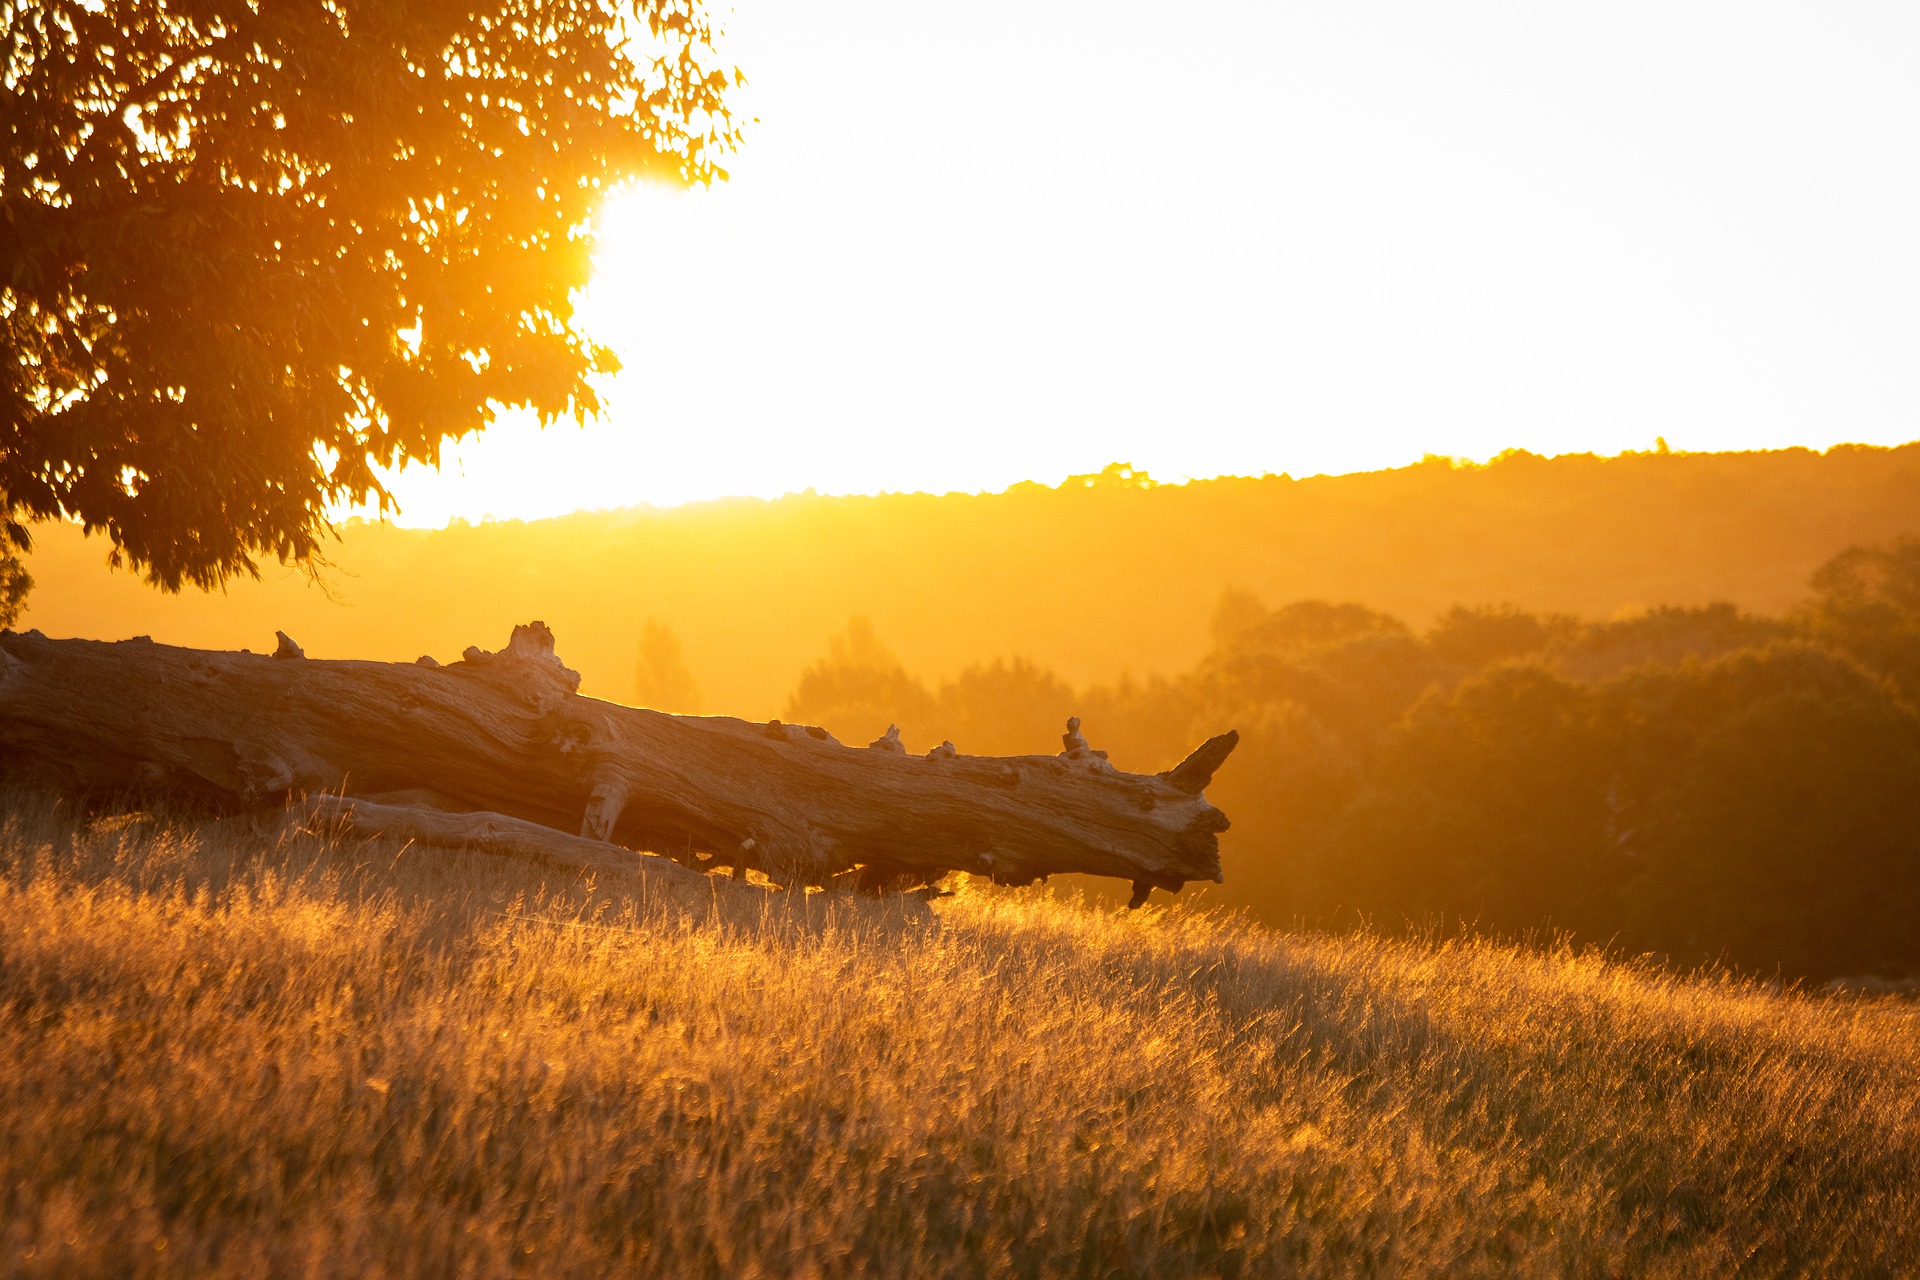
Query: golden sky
966, 247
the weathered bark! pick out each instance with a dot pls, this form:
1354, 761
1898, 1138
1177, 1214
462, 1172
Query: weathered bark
508, 733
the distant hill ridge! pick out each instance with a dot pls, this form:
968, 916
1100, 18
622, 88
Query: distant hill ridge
1101, 575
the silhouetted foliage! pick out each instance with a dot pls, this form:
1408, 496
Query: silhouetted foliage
1791, 838
860, 688
1005, 708
1474, 638
15, 583
1867, 601
1488, 805
661, 677
255, 251
1660, 637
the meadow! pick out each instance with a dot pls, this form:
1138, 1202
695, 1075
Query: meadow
241, 1051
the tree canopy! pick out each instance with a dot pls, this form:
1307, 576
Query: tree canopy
252, 252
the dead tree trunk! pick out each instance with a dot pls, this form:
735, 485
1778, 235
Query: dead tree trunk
506, 732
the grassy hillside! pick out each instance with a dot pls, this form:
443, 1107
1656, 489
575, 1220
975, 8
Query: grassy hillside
1092, 579
233, 1056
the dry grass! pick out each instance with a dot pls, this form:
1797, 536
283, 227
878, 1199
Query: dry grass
226, 1057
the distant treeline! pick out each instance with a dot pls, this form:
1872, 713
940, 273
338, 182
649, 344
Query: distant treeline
1103, 574
1698, 782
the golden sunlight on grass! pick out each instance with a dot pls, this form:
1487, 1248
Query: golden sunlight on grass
229, 1055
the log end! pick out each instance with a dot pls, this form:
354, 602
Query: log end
1194, 773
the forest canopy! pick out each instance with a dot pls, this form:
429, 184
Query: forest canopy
253, 253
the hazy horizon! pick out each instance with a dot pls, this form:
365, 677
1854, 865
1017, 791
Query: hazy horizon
1135, 473
1094, 581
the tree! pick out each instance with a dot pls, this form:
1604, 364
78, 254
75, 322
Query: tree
1867, 602
253, 252
1791, 840
661, 678
1487, 805
1004, 708
1480, 637
860, 688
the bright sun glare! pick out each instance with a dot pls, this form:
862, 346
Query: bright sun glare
1433, 232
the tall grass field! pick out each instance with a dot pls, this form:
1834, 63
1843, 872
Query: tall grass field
227, 1053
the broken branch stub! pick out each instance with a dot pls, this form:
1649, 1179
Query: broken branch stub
508, 733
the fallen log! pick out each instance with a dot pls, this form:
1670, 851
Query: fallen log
508, 733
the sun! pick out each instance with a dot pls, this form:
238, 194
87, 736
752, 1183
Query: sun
657, 299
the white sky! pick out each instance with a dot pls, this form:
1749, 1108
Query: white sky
965, 247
